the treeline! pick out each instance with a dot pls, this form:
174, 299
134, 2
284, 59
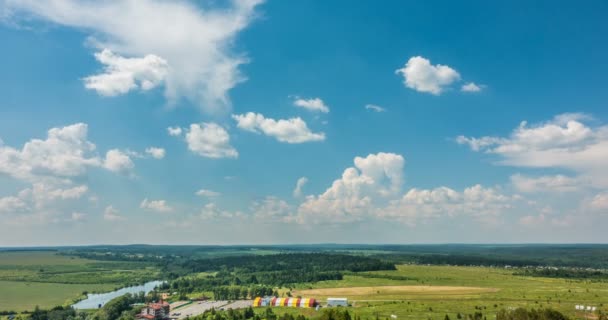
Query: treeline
268, 314
271, 270
564, 273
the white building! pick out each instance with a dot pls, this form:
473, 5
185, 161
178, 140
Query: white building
335, 302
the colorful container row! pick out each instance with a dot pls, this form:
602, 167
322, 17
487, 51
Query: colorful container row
284, 302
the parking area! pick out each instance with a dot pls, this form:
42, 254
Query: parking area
199, 307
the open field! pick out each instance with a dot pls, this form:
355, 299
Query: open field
433, 291
46, 279
354, 293
19, 295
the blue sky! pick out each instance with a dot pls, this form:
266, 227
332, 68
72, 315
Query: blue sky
419, 122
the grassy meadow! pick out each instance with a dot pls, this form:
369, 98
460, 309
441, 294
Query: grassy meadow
46, 279
434, 291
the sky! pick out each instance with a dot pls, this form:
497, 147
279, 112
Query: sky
278, 122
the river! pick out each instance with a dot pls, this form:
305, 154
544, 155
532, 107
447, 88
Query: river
93, 300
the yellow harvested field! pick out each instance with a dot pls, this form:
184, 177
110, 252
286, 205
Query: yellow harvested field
394, 290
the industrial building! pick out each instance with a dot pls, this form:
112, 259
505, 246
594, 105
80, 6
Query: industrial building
337, 302
284, 302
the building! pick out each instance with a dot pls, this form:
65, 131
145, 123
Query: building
155, 311
284, 302
337, 302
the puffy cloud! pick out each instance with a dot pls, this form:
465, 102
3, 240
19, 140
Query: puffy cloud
476, 201
174, 131
599, 201
196, 43
122, 75
210, 211
312, 104
43, 194
419, 74
65, 153
207, 193
210, 140
118, 161
156, 153
352, 196
271, 209
564, 142
111, 214
155, 205
374, 108
12, 204
78, 216
555, 183
292, 130
470, 87
297, 192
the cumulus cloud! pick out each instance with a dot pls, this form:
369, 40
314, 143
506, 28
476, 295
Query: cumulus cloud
555, 183
293, 130
207, 193
156, 153
374, 108
271, 209
352, 196
78, 216
155, 205
210, 140
312, 104
188, 47
565, 142
111, 214
419, 74
174, 131
118, 161
470, 87
211, 211
122, 75
297, 192
599, 201
12, 204
65, 153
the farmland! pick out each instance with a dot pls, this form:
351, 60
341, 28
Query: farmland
46, 279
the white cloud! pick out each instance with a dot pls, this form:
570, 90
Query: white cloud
111, 214
599, 201
78, 216
118, 161
565, 142
210, 140
174, 131
156, 153
297, 192
43, 194
207, 193
12, 205
196, 43
292, 130
374, 108
210, 211
65, 153
312, 104
476, 201
419, 74
352, 196
271, 209
122, 75
155, 205
470, 87
555, 183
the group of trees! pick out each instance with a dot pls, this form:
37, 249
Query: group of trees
566, 273
533, 314
268, 314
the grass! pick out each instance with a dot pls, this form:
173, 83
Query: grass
20, 296
46, 279
496, 288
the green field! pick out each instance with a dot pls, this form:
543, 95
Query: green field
453, 290
47, 279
